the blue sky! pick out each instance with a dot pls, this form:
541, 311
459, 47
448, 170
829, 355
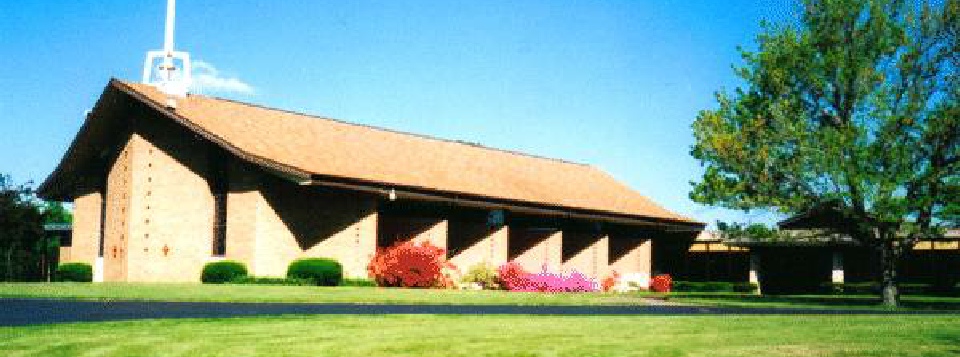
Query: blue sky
615, 84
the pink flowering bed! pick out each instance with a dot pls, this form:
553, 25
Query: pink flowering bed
515, 278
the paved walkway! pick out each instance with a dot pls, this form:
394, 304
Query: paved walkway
19, 312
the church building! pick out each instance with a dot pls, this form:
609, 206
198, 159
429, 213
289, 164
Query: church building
162, 184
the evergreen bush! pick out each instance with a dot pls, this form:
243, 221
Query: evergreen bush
222, 272
358, 282
323, 271
714, 286
270, 280
80, 272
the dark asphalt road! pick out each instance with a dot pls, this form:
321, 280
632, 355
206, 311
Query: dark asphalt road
19, 312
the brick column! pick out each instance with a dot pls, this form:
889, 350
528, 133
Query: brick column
630, 257
836, 275
754, 269
490, 250
601, 257
365, 242
592, 258
554, 252
436, 234
242, 218
86, 231
646, 258
354, 245
546, 251
499, 241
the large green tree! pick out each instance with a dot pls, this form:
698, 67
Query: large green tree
26, 251
21, 229
854, 105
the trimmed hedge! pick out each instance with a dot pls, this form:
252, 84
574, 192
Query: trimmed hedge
714, 286
358, 282
80, 272
322, 271
270, 280
871, 288
274, 280
745, 287
222, 272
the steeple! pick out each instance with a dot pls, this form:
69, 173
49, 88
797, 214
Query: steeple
166, 69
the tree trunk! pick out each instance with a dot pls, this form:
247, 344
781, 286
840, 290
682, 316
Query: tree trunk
10, 250
888, 262
45, 259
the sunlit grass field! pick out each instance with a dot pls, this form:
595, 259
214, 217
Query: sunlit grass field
373, 295
446, 335
308, 294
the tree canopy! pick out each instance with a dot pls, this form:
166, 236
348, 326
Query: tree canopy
24, 251
855, 106
21, 228
56, 212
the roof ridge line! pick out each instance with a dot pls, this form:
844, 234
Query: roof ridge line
394, 131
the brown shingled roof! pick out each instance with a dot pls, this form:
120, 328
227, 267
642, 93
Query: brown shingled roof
306, 147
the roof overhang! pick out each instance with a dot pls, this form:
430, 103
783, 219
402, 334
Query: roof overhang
59, 186
464, 200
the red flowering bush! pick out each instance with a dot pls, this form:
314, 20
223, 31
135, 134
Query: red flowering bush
410, 265
661, 283
610, 281
512, 275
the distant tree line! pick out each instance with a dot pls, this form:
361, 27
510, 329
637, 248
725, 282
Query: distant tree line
26, 251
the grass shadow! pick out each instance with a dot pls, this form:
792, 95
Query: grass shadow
918, 302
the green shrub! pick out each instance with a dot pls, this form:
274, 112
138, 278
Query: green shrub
873, 288
852, 288
222, 272
358, 282
81, 272
270, 280
745, 287
484, 275
698, 286
714, 286
323, 271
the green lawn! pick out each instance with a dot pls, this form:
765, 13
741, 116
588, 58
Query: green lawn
367, 295
910, 302
444, 335
268, 293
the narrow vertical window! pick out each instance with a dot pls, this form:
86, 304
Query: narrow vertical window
103, 220
219, 187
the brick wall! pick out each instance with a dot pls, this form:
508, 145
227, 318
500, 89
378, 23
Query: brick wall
473, 243
296, 221
86, 230
629, 254
117, 222
586, 253
171, 213
159, 221
534, 249
436, 233
159, 214
244, 202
